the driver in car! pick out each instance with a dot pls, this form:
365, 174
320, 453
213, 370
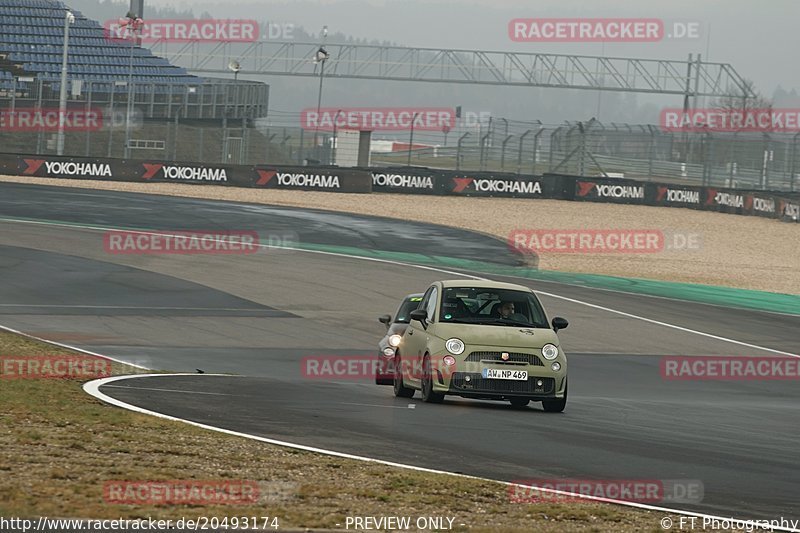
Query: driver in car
507, 311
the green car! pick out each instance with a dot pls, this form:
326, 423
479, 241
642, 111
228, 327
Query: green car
485, 340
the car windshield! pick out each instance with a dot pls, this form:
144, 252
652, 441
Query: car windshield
408, 305
500, 307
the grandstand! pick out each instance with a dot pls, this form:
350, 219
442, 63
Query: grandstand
100, 68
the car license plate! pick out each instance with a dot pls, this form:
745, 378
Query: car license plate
497, 373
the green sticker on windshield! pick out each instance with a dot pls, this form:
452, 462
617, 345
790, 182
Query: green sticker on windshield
448, 317
415, 299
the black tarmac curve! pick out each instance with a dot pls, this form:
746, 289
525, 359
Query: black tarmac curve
258, 316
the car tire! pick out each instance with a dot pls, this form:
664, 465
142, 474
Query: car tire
400, 390
556, 406
519, 402
428, 394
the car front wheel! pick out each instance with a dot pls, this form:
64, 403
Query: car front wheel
556, 406
400, 390
428, 395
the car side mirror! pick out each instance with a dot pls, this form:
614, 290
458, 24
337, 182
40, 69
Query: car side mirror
420, 315
559, 323
385, 319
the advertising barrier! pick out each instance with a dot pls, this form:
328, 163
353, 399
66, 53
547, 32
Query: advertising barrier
193, 173
498, 185
406, 180
68, 167
733, 201
313, 179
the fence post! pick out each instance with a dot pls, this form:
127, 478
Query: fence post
536, 147
582, 141
519, 153
503, 153
765, 167
225, 136
794, 162
175, 136
733, 159
88, 110
483, 145
458, 150
652, 152
113, 120
300, 151
39, 108
552, 144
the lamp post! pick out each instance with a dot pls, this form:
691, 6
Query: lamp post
134, 24
319, 58
69, 18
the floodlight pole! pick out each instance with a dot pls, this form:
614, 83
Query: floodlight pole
320, 57
133, 26
69, 18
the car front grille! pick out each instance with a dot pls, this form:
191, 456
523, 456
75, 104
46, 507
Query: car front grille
497, 357
478, 384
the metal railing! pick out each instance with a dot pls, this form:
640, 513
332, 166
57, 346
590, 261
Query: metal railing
591, 149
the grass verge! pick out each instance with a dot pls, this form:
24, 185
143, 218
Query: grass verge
61, 446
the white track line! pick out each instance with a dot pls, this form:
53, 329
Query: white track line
61, 345
668, 325
93, 388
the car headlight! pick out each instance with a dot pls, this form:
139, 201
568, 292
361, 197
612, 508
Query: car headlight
549, 351
388, 352
394, 340
455, 346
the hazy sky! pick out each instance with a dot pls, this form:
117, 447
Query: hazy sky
760, 39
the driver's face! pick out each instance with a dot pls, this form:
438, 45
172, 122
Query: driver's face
507, 309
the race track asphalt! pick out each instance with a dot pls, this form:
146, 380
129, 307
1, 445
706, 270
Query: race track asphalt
258, 315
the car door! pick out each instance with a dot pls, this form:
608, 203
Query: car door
415, 341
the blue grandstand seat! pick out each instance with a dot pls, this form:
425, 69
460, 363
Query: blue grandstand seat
31, 33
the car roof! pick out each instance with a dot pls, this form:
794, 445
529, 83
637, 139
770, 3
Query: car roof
483, 284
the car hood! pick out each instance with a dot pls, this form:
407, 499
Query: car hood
500, 336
